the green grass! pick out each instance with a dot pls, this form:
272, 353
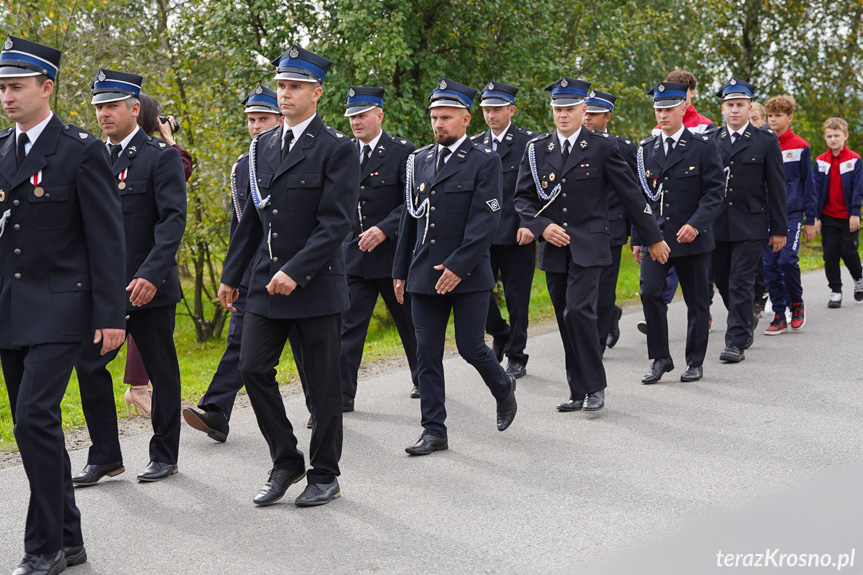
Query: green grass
198, 361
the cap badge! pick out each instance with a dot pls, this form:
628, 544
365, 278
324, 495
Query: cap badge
259, 90
490, 86
733, 82
564, 83
8, 44
101, 77
294, 52
442, 85
661, 87
592, 94
351, 93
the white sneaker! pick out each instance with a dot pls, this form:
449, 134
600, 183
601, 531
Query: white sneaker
858, 290
835, 300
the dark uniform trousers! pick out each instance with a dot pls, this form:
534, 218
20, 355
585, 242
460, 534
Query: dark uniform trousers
618, 229
593, 170
61, 261
226, 382
154, 214
511, 263
464, 210
299, 232
693, 182
381, 202
153, 330
754, 202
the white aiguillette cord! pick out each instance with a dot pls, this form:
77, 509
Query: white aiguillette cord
3, 221
423, 210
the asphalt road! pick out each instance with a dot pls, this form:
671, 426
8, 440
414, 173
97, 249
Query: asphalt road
759, 455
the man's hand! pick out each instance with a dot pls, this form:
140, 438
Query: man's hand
809, 232
636, 253
110, 338
659, 251
165, 131
399, 289
370, 239
142, 291
777, 242
555, 235
686, 234
227, 296
524, 236
281, 283
853, 224
447, 281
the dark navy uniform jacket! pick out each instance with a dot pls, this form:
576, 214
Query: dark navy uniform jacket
313, 197
239, 197
618, 223
382, 200
754, 201
61, 254
154, 214
693, 182
593, 167
510, 150
464, 203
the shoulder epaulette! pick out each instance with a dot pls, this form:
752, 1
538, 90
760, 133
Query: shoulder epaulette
623, 139
6, 131
242, 156
540, 137
157, 143
335, 133
78, 134
479, 136
526, 131
425, 148
647, 140
399, 141
598, 133
482, 148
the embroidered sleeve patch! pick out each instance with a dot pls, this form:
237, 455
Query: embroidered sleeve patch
647, 209
494, 205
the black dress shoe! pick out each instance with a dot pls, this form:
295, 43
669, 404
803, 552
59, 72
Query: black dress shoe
276, 486
91, 474
660, 366
595, 401
42, 564
497, 346
311, 422
415, 392
732, 354
692, 373
347, 403
571, 405
213, 423
75, 555
614, 330
318, 494
506, 408
642, 326
157, 471
427, 444
516, 369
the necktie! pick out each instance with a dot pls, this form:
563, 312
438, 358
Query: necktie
367, 152
22, 141
669, 145
441, 159
734, 137
565, 152
286, 147
115, 152
494, 143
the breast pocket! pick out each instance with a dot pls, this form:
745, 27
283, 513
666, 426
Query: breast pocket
134, 198
304, 191
379, 180
458, 196
51, 209
585, 181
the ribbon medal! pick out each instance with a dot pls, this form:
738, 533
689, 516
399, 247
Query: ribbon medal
122, 176
36, 179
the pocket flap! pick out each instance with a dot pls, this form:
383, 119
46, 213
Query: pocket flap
50, 194
69, 282
462, 186
303, 180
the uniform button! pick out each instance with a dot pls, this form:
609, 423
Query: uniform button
362, 187
275, 258
383, 182
79, 285
330, 268
432, 242
667, 205
667, 219
459, 187
563, 195
275, 212
302, 182
732, 162
364, 202
432, 208
16, 227
563, 181
432, 192
564, 210
17, 252
364, 218
431, 226
468, 275
731, 176
47, 196
15, 203
586, 173
565, 224
275, 235
730, 203
17, 276
308, 278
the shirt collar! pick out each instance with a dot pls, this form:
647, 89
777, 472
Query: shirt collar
453, 147
297, 130
570, 139
738, 132
502, 134
675, 136
34, 132
126, 140
373, 144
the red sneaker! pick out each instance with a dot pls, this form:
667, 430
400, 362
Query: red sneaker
777, 326
798, 316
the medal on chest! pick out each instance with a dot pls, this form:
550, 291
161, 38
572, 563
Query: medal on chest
122, 177
36, 180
